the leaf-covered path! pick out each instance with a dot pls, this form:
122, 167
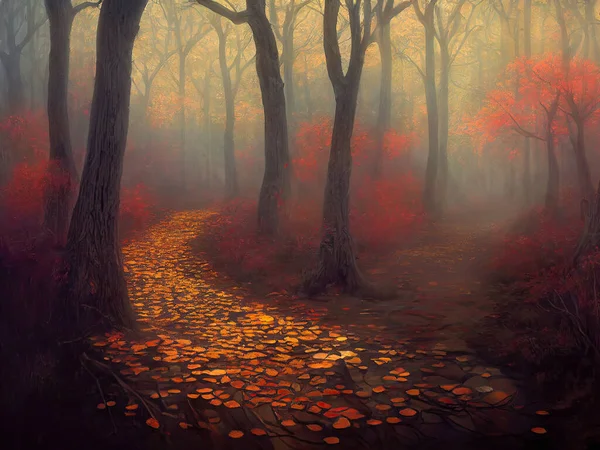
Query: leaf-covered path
280, 373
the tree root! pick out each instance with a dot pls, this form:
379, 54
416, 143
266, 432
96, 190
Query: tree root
152, 409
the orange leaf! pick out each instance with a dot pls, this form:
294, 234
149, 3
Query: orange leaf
153, 423
341, 423
236, 434
314, 427
332, 440
258, 432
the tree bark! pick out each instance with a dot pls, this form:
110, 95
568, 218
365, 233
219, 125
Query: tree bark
444, 124
231, 182
431, 172
275, 187
552, 187
337, 259
59, 195
96, 282
385, 94
583, 168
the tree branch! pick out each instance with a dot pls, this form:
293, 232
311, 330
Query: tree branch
236, 17
77, 9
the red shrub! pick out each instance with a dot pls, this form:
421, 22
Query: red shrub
524, 254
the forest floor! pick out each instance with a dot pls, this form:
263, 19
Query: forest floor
219, 366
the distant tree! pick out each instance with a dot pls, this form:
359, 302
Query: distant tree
96, 282
59, 195
17, 15
427, 17
276, 181
231, 76
385, 12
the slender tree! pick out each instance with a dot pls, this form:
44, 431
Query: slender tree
231, 76
17, 15
337, 259
426, 17
96, 282
276, 181
59, 196
385, 12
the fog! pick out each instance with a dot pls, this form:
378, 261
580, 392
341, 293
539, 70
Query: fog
395, 177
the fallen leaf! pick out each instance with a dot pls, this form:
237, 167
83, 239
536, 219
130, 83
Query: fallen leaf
153, 423
539, 430
236, 434
332, 440
341, 423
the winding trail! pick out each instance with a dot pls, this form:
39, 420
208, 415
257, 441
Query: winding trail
275, 372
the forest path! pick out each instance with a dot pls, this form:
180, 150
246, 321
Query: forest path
275, 373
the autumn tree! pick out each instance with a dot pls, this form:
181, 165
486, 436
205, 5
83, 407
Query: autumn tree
96, 282
16, 16
337, 259
62, 166
385, 12
285, 33
449, 26
187, 32
427, 16
276, 181
231, 76
152, 63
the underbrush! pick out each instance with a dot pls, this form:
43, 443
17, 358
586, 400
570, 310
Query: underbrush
551, 317
384, 212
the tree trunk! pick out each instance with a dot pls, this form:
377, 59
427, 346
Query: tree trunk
207, 128
527, 148
583, 168
231, 182
288, 75
431, 172
97, 288
590, 7
182, 58
276, 181
553, 174
307, 96
385, 96
14, 81
444, 124
337, 260
59, 195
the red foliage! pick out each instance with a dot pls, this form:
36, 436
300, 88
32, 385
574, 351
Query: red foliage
525, 255
135, 209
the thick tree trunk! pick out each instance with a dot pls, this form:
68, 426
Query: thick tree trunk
231, 182
444, 125
431, 172
385, 95
337, 260
97, 288
59, 195
276, 181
